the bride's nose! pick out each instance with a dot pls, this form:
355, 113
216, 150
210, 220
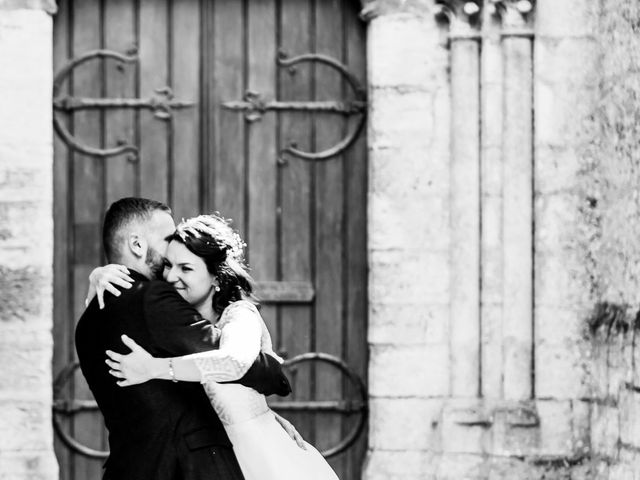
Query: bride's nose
170, 275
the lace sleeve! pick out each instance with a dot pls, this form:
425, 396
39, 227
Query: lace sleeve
241, 332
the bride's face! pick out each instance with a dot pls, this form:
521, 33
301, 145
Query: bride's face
188, 274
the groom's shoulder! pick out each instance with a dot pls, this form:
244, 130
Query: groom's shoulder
159, 291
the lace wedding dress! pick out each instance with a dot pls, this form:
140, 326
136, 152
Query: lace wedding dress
264, 450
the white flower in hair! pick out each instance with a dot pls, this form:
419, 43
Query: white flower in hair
214, 229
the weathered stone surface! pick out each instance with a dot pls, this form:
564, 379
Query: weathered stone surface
401, 371
19, 298
48, 6
405, 423
409, 274
26, 241
404, 323
400, 465
25, 425
569, 18
412, 69
28, 465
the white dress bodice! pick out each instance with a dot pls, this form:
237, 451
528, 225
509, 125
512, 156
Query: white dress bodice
243, 335
262, 447
235, 403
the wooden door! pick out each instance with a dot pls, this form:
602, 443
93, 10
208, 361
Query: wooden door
217, 122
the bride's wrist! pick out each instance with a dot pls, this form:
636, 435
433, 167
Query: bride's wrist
160, 369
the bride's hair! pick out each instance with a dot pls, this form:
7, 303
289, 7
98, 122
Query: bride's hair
211, 238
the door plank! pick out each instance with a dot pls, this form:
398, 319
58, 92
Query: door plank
120, 171
355, 171
87, 206
185, 54
329, 239
62, 332
286, 292
295, 192
229, 157
154, 132
262, 172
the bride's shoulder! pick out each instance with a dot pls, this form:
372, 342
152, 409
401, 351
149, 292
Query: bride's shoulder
242, 310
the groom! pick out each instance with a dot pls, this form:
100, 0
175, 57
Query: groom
158, 430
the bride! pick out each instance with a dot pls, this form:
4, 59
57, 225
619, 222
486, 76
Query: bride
205, 265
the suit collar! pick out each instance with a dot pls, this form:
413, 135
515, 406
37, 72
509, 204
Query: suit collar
137, 276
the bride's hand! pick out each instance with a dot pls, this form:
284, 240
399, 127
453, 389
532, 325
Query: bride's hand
291, 430
105, 278
133, 368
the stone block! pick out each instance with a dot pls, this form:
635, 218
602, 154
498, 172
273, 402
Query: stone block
25, 425
408, 220
25, 44
569, 18
404, 423
421, 370
26, 235
561, 371
557, 217
404, 52
33, 379
456, 466
561, 326
566, 62
559, 283
630, 418
556, 428
409, 274
605, 430
405, 120
399, 465
515, 429
18, 301
561, 113
557, 170
403, 323
409, 173
465, 426
24, 178
492, 352
28, 464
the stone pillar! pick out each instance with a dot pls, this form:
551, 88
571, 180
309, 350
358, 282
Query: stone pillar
409, 236
565, 65
26, 240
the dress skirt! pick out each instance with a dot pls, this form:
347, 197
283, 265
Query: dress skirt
266, 452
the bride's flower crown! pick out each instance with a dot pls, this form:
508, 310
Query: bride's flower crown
213, 230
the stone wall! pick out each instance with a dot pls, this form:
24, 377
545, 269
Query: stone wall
408, 236
26, 241
545, 386
609, 182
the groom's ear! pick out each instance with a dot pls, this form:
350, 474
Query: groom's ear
137, 245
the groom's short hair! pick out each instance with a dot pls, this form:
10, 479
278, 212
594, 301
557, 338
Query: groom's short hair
122, 213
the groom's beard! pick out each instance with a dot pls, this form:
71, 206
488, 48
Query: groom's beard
155, 262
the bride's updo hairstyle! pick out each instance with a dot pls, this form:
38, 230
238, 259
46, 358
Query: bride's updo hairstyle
211, 238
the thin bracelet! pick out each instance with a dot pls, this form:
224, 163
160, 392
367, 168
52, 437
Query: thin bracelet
172, 374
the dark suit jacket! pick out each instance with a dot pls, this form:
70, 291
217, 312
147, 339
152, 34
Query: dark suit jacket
160, 430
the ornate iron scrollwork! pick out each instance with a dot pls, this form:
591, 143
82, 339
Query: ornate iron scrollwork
66, 407
254, 105
71, 407
356, 406
162, 104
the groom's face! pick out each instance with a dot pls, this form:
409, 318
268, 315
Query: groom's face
160, 226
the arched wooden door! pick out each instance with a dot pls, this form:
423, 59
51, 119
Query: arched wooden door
205, 105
